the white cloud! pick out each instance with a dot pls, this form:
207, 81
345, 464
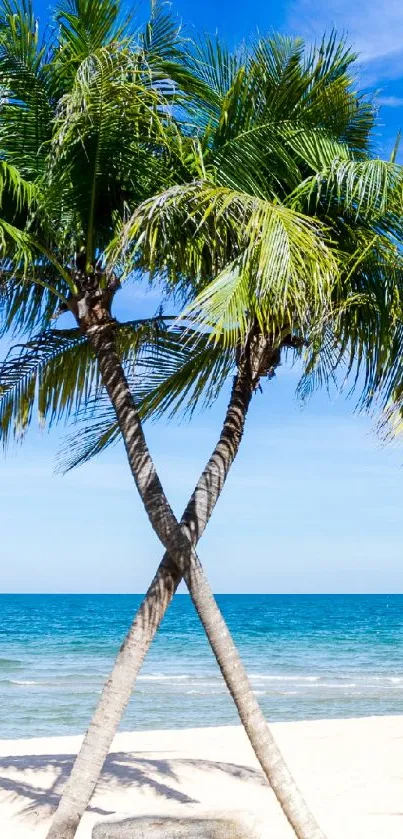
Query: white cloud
391, 101
374, 30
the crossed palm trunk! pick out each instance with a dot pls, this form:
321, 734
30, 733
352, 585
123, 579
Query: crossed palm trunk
180, 561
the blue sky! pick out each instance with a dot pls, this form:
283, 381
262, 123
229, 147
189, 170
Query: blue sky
313, 503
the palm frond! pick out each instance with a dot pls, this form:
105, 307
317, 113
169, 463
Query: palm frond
90, 438
84, 28
56, 372
362, 188
282, 266
183, 373
160, 39
358, 349
25, 79
23, 194
333, 100
29, 299
104, 132
50, 372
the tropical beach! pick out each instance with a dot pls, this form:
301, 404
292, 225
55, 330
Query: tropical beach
200, 236
349, 769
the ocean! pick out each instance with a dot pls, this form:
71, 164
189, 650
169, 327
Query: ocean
308, 657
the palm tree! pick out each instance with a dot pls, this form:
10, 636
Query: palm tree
97, 138
199, 228
82, 264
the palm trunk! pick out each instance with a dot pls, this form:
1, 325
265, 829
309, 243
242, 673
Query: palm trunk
179, 543
119, 687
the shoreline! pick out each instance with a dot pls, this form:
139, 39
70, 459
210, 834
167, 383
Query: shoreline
173, 729
72, 741
349, 770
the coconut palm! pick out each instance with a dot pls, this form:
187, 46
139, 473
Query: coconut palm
213, 230
97, 137
72, 247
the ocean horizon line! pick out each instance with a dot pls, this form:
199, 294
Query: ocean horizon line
216, 593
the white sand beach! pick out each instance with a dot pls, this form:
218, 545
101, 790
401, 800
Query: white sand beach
350, 771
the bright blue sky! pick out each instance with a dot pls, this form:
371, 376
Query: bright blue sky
313, 504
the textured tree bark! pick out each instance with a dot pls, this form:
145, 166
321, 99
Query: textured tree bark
181, 560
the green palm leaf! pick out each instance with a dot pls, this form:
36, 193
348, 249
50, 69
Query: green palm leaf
50, 371
178, 377
25, 79
364, 189
282, 272
57, 371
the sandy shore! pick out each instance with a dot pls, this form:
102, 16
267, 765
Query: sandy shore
350, 771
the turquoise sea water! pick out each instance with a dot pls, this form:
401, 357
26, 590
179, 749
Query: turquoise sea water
308, 657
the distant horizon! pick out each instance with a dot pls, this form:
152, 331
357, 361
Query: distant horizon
216, 594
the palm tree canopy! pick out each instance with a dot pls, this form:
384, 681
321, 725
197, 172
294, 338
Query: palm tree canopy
273, 213
292, 223
83, 131
86, 134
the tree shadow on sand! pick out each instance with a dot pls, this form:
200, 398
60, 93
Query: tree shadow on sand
121, 770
